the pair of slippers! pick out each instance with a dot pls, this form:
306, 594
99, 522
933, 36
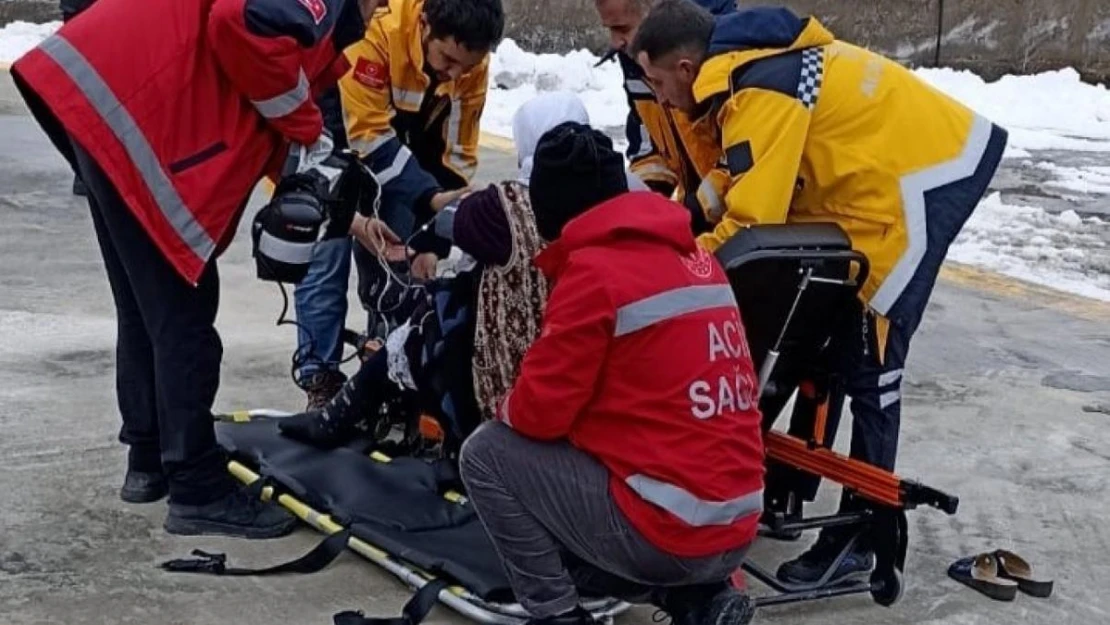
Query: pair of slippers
999, 575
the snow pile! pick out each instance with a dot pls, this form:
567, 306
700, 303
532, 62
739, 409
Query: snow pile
1064, 251
18, 37
1051, 110
517, 76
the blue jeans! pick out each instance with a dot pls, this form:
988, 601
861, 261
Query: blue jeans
321, 304
321, 298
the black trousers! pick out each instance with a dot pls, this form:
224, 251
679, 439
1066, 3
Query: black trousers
168, 352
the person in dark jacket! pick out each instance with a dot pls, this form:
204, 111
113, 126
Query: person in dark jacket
455, 360
170, 152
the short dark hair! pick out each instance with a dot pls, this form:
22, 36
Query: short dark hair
673, 25
475, 24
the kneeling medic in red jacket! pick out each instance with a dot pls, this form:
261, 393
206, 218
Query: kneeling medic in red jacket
627, 460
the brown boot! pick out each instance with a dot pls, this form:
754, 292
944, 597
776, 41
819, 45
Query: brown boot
321, 387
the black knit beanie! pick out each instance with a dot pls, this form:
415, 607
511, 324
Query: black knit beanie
574, 169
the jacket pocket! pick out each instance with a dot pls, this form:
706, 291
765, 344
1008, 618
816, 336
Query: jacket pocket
198, 158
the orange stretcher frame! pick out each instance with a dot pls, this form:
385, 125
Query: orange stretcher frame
869, 481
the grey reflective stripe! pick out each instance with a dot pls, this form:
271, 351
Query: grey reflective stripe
285, 103
890, 377
637, 87
888, 398
645, 141
670, 304
653, 168
710, 201
369, 146
455, 154
408, 98
285, 251
688, 507
914, 187
138, 149
396, 167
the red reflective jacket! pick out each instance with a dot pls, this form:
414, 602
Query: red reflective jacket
186, 104
643, 363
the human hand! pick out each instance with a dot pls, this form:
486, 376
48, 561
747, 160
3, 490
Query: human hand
443, 198
378, 238
424, 266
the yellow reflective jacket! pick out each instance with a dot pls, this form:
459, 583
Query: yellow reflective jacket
419, 136
666, 149
816, 129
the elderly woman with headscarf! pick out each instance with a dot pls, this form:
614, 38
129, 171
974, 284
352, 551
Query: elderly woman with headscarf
461, 349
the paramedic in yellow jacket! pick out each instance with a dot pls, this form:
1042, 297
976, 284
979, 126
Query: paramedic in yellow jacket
665, 150
816, 129
412, 102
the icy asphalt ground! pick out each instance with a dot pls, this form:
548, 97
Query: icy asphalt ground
1007, 406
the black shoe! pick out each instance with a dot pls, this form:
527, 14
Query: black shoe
143, 487
717, 604
238, 514
577, 616
314, 428
338, 421
812, 565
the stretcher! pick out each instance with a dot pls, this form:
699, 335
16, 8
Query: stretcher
792, 284
405, 515
408, 515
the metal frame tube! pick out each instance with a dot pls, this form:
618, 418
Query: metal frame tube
457, 598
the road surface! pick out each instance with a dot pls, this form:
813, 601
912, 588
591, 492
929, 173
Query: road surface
1007, 404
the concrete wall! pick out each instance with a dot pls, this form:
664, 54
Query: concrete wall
992, 37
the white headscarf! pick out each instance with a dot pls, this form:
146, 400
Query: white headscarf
542, 113
537, 116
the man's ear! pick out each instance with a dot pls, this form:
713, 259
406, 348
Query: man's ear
687, 70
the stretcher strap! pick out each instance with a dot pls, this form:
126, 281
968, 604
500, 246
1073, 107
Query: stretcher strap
216, 563
414, 612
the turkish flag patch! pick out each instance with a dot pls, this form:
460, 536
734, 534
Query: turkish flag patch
373, 75
317, 8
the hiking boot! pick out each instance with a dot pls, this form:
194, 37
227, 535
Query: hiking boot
239, 514
143, 487
321, 387
812, 565
717, 604
577, 616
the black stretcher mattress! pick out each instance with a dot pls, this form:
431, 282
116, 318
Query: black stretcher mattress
397, 506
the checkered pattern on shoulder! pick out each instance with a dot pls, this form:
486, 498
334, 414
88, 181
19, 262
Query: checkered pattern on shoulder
813, 73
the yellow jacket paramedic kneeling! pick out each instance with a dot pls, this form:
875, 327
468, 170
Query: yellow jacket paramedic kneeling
813, 129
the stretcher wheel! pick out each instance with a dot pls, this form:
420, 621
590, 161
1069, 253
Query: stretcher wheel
886, 587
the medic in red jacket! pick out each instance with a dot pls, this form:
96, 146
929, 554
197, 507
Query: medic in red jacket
204, 102
643, 363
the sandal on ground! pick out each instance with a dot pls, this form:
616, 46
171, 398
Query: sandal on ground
981, 573
1013, 567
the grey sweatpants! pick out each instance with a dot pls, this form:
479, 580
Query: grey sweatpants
548, 511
